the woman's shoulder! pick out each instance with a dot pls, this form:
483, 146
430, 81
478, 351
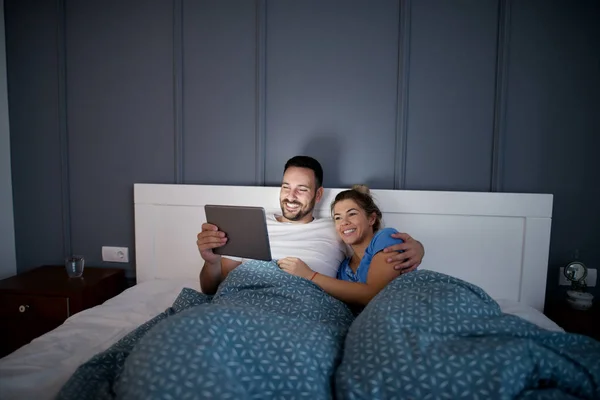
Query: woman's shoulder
382, 239
385, 232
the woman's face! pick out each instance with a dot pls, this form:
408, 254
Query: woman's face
352, 223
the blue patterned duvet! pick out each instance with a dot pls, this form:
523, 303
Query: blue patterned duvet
264, 334
431, 336
269, 335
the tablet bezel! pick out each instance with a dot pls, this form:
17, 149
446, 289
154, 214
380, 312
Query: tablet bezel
246, 229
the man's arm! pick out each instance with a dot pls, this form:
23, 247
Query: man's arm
212, 274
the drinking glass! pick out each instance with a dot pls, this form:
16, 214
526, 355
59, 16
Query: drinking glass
74, 266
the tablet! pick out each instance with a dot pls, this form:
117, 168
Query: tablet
246, 229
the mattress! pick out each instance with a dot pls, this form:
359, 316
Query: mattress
51, 359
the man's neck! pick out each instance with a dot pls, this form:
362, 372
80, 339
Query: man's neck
305, 220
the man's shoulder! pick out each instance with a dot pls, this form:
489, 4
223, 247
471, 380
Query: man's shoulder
271, 217
324, 226
322, 221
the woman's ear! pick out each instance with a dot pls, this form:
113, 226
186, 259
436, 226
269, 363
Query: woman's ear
372, 219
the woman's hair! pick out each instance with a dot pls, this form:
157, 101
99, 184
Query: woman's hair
361, 195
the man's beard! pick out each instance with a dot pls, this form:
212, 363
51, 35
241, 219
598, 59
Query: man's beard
301, 213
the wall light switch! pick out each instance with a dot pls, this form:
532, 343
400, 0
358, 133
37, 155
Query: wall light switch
115, 254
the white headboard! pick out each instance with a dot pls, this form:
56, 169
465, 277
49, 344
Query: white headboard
498, 241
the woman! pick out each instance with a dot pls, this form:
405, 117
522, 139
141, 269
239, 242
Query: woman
362, 275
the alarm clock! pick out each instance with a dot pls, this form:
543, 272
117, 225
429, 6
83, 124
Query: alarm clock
576, 272
577, 298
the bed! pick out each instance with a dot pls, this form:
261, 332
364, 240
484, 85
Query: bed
496, 241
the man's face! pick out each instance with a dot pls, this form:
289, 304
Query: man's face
299, 194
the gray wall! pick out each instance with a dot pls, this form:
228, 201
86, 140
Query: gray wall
8, 264
430, 94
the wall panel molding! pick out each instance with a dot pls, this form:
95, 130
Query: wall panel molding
178, 88
220, 91
261, 89
402, 99
63, 133
332, 88
453, 68
499, 128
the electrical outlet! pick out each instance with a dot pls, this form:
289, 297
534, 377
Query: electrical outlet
562, 279
590, 279
115, 254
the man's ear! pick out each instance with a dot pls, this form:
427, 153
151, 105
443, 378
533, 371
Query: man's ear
320, 192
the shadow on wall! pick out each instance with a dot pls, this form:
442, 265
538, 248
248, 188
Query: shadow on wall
326, 148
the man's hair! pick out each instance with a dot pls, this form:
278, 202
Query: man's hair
307, 162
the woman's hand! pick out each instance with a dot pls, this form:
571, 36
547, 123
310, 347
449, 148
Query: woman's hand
411, 256
295, 266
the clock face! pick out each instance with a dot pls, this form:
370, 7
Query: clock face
575, 271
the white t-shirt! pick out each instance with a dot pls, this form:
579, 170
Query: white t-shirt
316, 243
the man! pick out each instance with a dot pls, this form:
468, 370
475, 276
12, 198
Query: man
297, 233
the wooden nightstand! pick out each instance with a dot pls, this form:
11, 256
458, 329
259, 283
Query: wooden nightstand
575, 321
39, 300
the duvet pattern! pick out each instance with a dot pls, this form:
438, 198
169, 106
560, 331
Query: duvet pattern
431, 336
269, 335
264, 334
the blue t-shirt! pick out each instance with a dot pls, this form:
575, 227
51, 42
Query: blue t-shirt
380, 241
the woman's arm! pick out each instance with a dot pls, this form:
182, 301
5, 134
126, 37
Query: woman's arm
380, 274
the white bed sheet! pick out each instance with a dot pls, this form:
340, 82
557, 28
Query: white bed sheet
51, 359
39, 369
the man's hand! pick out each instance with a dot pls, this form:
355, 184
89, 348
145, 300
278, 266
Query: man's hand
411, 256
295, 266
208, 239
